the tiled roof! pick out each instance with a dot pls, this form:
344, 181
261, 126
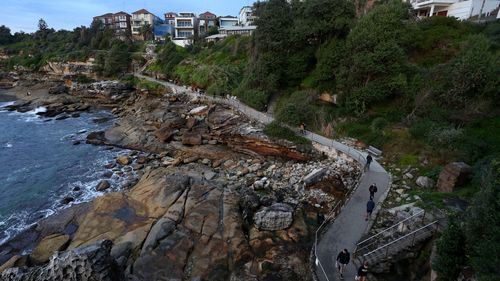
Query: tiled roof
107, 15
207, 14
142, 11
121, 13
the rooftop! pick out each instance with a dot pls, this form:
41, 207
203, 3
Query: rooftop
141, 11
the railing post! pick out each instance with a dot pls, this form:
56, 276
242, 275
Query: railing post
423, 217
413, 239
387, 251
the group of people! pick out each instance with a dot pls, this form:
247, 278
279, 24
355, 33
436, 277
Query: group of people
343, 259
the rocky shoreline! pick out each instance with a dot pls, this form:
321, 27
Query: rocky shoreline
212, 197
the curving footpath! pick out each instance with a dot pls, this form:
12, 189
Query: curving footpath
349, 225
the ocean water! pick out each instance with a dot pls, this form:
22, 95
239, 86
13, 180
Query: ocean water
39, 165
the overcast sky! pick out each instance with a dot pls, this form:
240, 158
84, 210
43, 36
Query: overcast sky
68, 14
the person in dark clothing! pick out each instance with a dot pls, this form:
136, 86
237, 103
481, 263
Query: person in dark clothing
370, 205
372, 189
369, 160
343, 259
362, 272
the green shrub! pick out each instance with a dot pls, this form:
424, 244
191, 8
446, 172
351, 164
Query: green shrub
275, 130
378, 124
421, 128
296, 109
445, 136
450, 253
254, 98
408, 160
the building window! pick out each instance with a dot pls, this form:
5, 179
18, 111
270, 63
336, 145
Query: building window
184, 23
185, 34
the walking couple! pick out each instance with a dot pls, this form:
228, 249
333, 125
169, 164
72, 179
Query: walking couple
343, 259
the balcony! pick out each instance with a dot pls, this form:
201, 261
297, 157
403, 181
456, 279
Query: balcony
422, 3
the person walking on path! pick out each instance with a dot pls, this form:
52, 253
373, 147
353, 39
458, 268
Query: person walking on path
362, 272
372, 189
343, 259
369, 160
302, 128
370, 205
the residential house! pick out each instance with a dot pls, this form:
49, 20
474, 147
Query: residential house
246, 17
121, 23
206, 21
170, 18
141, 18
459, 9
237, 30
185, 28
106, 20
228, 21
162, 30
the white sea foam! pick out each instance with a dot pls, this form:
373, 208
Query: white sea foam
7, 145
5, 104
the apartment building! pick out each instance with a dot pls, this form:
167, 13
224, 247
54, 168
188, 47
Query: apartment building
228, 21
119, 22
141, 18
186, 26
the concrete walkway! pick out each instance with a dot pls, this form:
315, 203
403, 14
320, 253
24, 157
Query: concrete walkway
349, 226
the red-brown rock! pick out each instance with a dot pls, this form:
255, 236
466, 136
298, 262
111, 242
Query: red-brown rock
454, 175
190, 138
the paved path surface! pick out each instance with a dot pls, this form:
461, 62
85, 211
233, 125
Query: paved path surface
349, 226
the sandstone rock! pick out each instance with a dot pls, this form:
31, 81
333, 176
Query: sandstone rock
454, 175
201, 110
96, 138
425, 182
142, 159
57, 90
209, 175
275, 217
48, 246
165, 134
314, 176
123, 160
191, 122
15, 261
87, 263
103, 185
190, 138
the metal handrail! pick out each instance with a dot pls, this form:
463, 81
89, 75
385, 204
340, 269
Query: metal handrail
384, 231
401, 238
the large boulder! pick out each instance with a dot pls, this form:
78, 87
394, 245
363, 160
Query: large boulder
123, 160
275, 217
103, 185
48, 246
454, 175
57, 90
315, 176
425, 182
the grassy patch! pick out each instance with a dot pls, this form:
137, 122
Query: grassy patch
275, 130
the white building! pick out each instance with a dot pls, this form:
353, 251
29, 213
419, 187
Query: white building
246, 17
141, 18
237, 30
228, 21
185, 28
461, 10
